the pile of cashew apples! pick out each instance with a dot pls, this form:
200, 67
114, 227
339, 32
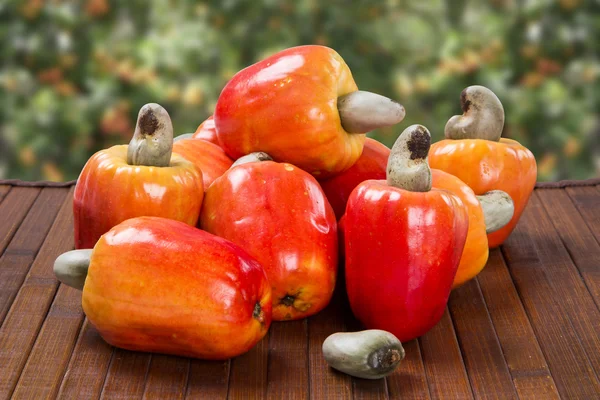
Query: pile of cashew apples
193, 244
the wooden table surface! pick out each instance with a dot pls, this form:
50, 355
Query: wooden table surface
527, 327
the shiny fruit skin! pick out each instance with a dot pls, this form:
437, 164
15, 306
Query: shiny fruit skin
371, 164
162, 286
280, 216
208, 157
286, 106
109, 191
476, 252
485, 165
206, 131
402, 252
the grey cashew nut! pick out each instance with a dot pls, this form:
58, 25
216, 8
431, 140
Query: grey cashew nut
407, 166
71, 268
370, 354
483, 116
498, 209
252, 157
152, 142
362, 112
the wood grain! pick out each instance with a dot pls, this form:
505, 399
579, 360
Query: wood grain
409, 380
126, 376
575, 235
288, 357
167, 377
568, 362
587, 201
325, 382
520, 347
4, 189
488, 372
22, 249
446, 373
248, 375
13, 210
566, 280
208, 379
31, 301
87, 368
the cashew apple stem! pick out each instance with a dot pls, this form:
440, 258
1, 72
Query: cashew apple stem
498, 209
152, 142
407, 166
483, 116
252, 157
71, 267
362, 112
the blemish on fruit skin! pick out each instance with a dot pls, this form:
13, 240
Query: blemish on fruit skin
288, 167
306, 193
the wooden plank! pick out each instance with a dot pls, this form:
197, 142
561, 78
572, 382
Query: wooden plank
4, 189
32, 300
409, 380
587, 201
126, 377
325, 382
522, 352
248, 375
56, 338
566, 280
446, 374
287, 367
53, 347
13, 210
208, 379
545, 306
575, 235
87, 368
22, 249
167, 377
486, 366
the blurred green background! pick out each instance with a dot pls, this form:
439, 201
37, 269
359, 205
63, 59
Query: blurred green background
73, 74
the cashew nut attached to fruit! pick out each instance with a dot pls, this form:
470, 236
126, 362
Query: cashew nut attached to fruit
152, 142
362, 111
407, 166
498, 209
483, 116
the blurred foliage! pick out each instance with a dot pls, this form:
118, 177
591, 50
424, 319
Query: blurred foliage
73, 74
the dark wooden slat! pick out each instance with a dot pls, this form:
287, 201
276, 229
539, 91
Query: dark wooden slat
488, 373
288, 348
126, 377
522, 352
4, 189
87, 368
208, 379
566, 281
22, 249
167, 377
579, 241
13, 210
446, 374
587, 201
248, 375
546, 309
409, 380
32, 300
53, 346
325, 382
